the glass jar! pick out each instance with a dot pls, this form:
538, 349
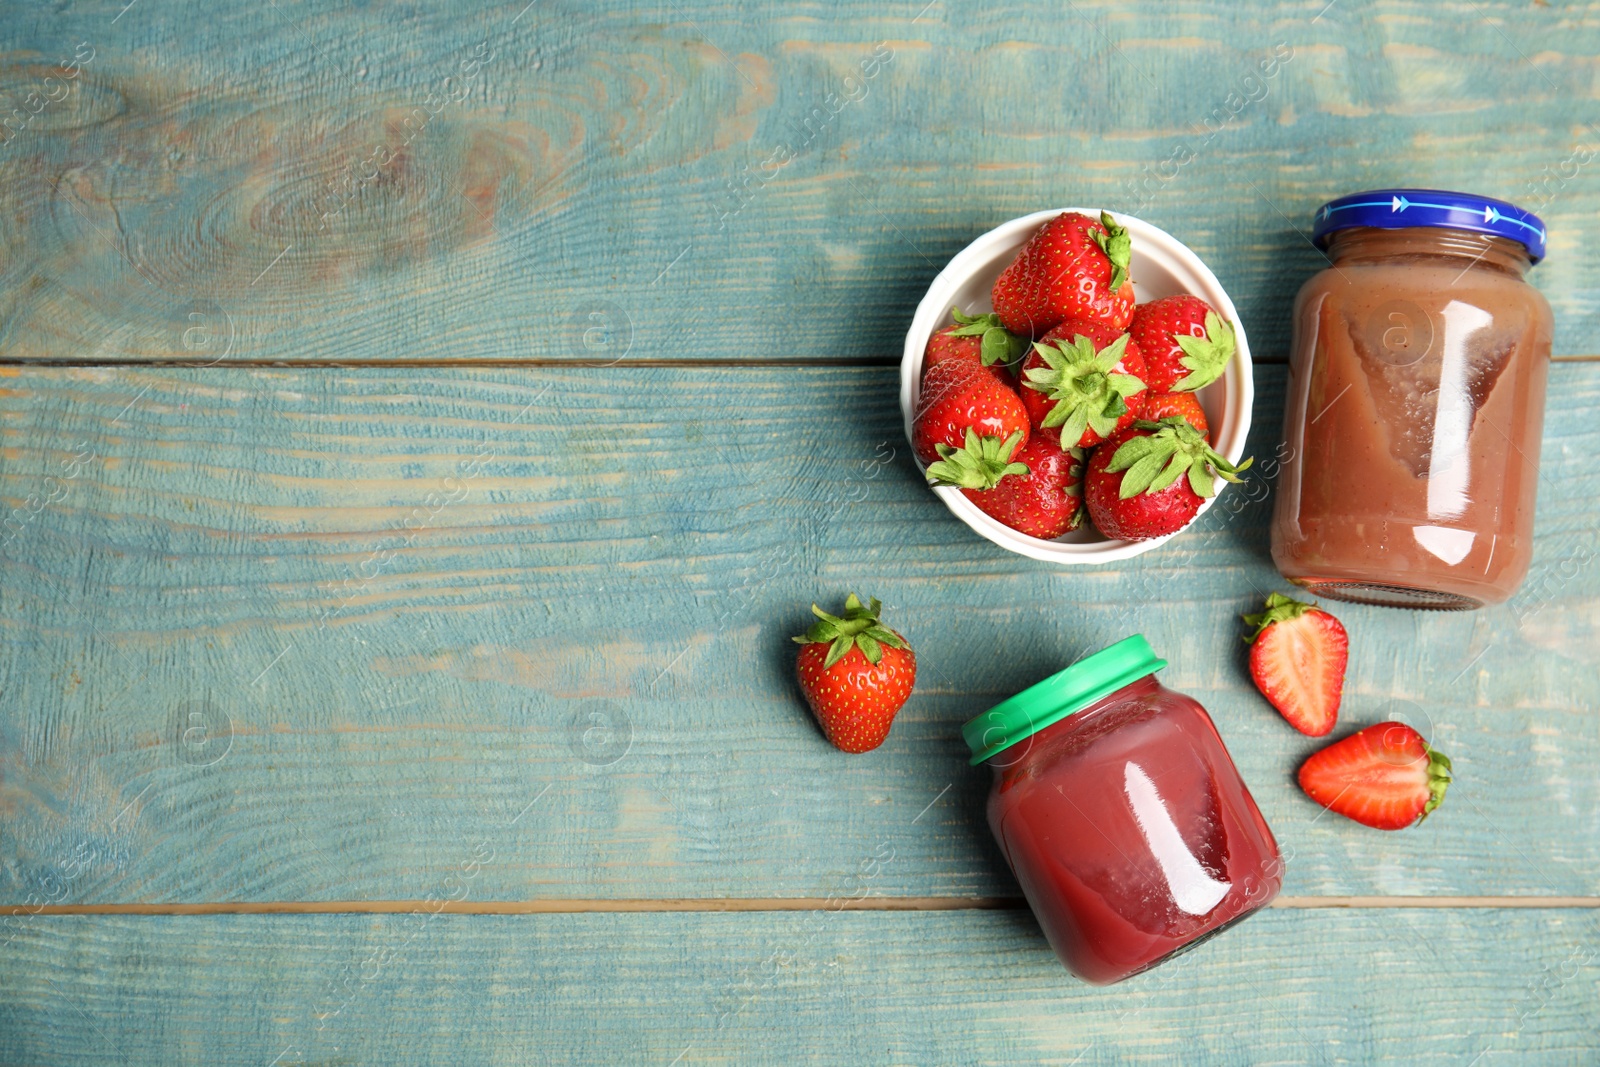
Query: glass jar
1415, 403
1121, 814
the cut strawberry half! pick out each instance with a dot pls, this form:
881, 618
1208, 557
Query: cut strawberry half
1385, 776
1297, 658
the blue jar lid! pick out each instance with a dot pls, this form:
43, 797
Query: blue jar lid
1394, 209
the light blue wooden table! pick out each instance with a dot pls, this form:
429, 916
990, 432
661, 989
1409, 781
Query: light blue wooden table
423, 426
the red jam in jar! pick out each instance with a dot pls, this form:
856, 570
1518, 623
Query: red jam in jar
1121, 814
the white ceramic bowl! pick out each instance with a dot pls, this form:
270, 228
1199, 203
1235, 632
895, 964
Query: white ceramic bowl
1162, 266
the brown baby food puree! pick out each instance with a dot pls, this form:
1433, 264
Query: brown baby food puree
1414, 413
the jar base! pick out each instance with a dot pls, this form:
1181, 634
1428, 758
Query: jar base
1196, 943
1388, 596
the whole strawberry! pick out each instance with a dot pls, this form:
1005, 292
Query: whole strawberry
1044, 500
1385, 777
980, 463
1186, 344
855, 673
960, 395
980, 338
1298, 655
1083, 383
1158, 406
1150, 479
1072, 267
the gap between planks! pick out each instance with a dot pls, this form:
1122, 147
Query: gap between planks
452, 364
708, 904
470, 363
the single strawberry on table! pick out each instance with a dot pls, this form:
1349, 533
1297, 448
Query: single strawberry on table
960, 395
980, 338
1082, 383
1033, 489
1160, 405
1073, 266
855, 673
1298, 655
1385, 776
1150, 479
1186, 344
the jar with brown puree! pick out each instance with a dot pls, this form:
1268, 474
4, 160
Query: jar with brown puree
1415, 403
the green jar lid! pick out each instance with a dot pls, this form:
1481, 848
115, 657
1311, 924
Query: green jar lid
1086, 681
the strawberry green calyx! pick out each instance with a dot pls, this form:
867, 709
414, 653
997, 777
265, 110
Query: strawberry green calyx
1206, 357
998, 345
859, 628
1117, 246
1086, 391
980, 463
1280, 608
1173, 448
1075, 471
1439, 779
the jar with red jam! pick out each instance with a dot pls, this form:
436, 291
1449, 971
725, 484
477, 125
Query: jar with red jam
1122, 815
1415, 404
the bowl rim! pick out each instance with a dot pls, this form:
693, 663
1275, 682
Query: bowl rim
1237, 379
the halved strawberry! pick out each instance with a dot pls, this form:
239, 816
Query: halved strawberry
1297, 658
1385, 777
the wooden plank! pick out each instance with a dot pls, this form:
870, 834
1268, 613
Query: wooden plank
298, 635
575, 906
1435, 986
604, 181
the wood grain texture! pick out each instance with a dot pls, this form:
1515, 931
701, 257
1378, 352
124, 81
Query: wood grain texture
513, 640
411, 679
577, 906
816, 988
604, 181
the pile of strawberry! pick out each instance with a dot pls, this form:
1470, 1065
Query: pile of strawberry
1068, 398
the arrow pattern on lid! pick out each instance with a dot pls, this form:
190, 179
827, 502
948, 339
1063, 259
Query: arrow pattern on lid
1398, 204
